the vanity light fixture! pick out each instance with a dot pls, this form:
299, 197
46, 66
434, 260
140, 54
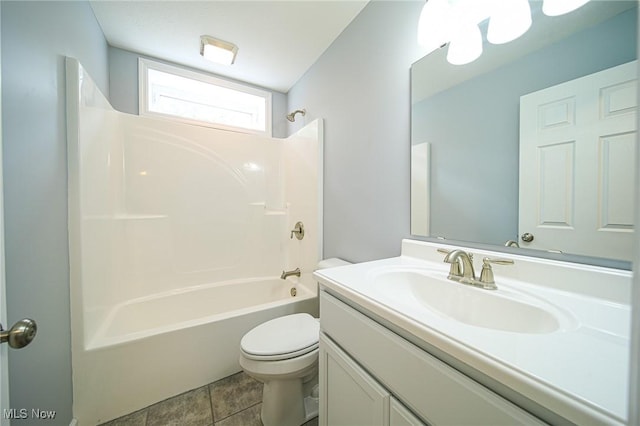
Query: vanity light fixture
219, 51
560, 7
456, 22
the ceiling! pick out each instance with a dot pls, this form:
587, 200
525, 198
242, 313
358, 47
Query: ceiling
278, 41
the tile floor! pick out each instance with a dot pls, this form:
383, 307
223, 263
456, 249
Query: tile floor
232, 401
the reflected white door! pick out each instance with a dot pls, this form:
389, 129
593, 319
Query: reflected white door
577, 162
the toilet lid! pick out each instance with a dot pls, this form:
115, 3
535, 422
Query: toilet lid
281, 338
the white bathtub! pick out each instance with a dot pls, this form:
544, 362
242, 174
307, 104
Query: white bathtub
179, 309
152, 348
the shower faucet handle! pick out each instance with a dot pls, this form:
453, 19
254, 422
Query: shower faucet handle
298, 231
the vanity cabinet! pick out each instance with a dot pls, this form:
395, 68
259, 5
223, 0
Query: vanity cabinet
351, 396
371, 376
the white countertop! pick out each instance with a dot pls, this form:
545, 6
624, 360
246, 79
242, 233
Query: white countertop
579, 372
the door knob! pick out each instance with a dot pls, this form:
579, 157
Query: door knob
20, 335
527, 237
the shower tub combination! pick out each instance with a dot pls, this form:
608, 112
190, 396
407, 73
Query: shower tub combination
178, 235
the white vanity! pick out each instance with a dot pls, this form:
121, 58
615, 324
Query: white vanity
401, 344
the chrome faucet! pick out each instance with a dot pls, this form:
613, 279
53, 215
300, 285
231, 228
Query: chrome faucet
286, 274
461, 265
462, 269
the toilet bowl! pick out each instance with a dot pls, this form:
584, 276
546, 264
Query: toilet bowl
283, 354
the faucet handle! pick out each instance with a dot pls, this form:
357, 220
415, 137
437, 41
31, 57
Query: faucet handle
486, 275
298, 231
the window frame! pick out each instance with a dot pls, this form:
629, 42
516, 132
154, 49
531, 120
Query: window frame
144, 65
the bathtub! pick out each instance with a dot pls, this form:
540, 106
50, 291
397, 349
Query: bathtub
175, 310
172, 231
155, 347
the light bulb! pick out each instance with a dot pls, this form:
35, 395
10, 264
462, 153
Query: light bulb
465, 46
509, 20
433, 26
560, 7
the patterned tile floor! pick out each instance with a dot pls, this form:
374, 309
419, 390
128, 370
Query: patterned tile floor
233, 401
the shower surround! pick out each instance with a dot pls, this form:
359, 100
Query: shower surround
177, 236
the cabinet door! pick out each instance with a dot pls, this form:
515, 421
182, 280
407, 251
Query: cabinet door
434, 390
348, 395
399, 415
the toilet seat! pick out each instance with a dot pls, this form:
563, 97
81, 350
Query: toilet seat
282, 338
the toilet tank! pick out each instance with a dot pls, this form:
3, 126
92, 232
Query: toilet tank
332, 262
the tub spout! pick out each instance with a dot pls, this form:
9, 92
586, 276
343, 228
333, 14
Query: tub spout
286, 274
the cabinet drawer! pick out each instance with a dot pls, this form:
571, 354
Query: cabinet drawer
432, 389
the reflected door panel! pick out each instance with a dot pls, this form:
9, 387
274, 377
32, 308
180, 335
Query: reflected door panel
577, 156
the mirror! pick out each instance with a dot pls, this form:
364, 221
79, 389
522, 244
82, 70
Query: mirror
465, 122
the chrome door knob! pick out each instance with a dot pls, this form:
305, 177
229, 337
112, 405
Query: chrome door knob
20, 335
527, 237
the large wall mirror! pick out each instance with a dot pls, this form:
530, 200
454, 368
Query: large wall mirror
466, 128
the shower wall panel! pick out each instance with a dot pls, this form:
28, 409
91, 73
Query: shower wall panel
159, 206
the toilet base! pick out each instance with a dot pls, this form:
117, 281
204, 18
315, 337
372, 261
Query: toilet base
284, 403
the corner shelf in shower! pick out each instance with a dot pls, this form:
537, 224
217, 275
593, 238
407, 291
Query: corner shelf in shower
270, 211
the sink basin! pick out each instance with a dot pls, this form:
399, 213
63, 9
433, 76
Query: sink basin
501, 309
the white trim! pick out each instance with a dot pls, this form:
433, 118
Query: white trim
145, 64
4, 365
634, 373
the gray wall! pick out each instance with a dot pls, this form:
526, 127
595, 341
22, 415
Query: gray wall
485, 150
35, 38
123, 81
360, 87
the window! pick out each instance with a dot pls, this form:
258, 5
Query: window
171, 92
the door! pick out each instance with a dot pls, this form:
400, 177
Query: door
22, 332
577, 165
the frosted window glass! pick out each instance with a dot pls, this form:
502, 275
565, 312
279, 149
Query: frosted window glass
212, 102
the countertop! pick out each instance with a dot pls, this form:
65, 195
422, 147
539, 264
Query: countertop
580, 372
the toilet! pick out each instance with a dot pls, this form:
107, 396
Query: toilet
282, 353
